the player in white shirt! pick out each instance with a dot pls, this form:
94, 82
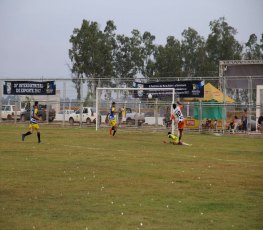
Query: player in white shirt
177, 113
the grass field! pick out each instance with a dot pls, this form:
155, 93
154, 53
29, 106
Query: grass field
82, 179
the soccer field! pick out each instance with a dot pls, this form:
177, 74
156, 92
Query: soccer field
83, 179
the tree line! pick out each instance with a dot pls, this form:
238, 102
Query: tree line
104, 58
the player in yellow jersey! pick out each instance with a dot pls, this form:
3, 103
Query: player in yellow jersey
175, 140
33, 125
112, 120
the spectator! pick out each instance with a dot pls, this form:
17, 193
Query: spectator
215, 125
244, 120
237, 123
167, 120
260, 123
123, 113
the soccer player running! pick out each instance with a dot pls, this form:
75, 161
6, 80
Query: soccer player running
33, 125
112, 120
180, 119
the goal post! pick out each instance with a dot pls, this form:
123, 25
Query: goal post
141, 100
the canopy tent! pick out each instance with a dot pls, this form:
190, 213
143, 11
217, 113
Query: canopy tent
212, 93
211, 106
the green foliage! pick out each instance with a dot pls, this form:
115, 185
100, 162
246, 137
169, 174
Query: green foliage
253, 50
194, 54
221, 43
168, 59
120, 59
83, 179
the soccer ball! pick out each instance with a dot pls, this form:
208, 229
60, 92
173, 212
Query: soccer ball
150, 96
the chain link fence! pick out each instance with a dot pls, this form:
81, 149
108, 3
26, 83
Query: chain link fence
224, 108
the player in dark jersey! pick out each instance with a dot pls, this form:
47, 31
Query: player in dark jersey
33, 125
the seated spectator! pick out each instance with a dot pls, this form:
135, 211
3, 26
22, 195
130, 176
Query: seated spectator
237, 124
215, 125
208, 123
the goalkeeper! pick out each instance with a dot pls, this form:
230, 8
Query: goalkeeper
175, 140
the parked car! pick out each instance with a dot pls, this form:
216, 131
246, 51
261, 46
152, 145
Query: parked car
9, 112
42, 113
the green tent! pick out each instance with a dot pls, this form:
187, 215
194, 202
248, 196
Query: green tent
209, 110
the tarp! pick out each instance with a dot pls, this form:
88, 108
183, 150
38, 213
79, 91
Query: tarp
212, 104
210, 110
212, 93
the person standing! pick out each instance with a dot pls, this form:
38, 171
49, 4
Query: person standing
260, 123
244, 120
112, 120
123, 113
33, 125
177, 113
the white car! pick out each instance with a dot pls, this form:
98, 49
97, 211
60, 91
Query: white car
60, 115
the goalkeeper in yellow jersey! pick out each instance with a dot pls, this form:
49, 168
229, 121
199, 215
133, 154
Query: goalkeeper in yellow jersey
175, 140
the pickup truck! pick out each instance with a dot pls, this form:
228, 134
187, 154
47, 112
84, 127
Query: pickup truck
88, 116
132, 117
60, 116
9, 112
42, 113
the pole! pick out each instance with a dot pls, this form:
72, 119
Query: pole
97, 108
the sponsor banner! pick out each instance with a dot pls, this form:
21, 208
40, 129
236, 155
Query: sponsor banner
29, 88
183, 89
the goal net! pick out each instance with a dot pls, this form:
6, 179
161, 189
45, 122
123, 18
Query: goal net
135, 107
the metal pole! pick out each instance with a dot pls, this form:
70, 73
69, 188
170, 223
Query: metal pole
97, 108
173, 97
64, 98
81, 104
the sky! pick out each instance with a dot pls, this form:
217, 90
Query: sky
34, 37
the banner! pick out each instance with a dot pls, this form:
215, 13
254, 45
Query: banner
29, 88
183, 89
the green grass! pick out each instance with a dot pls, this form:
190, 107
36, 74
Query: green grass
82, 179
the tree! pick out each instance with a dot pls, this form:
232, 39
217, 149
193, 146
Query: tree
253, 50
168, 59
90, 55
193, 54
149, 50
129, 57
221, 43
123, 66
